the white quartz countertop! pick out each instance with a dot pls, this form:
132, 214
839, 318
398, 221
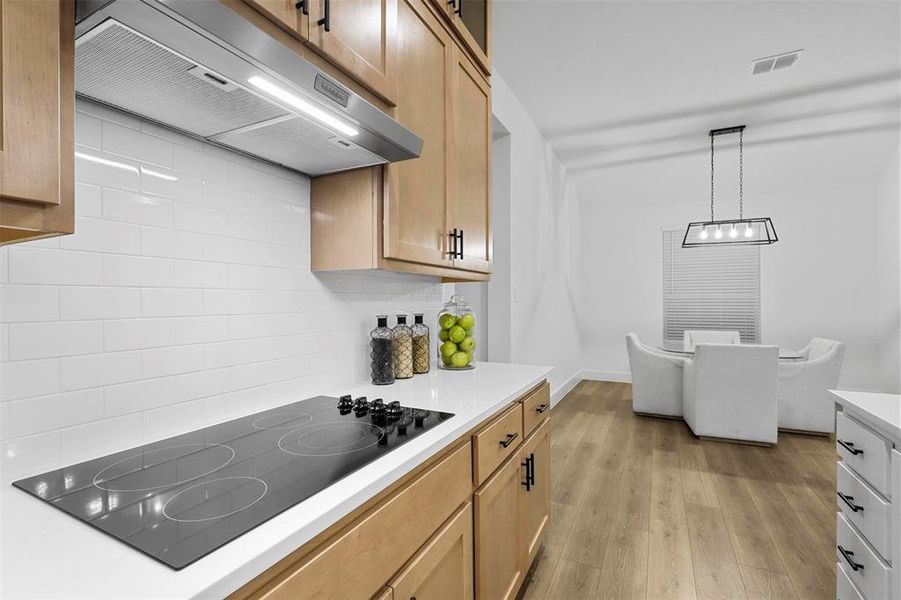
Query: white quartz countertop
45, 553
882, 411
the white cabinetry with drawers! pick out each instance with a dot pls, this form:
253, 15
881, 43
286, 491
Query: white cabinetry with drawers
868, 495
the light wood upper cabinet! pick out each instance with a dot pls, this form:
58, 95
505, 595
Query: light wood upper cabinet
37, 119
498, 553
471, 165
535, 499
417, 213
443, 568
287, 14
359, 37
471, 21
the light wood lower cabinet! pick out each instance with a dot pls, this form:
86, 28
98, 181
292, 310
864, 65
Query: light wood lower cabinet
535, 499
498, 553
443, 568
37, 119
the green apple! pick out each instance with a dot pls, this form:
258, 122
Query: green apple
446, 321
468, 332
448, 349
447, 361
467, 344
442, 335
467, 321
456, 334
460, 359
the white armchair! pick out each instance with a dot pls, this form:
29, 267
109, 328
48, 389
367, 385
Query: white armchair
693, 337
730, 391
656, 379
804, 404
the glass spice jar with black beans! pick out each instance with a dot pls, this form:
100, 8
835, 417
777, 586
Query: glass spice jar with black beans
382, 352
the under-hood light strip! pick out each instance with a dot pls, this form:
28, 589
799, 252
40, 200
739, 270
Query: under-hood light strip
299, 103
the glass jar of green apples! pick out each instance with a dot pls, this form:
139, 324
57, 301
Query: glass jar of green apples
456, 328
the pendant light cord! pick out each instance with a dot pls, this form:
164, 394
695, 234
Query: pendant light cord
741, 173
711, 179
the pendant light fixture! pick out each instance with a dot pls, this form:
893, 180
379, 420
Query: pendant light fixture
757, 231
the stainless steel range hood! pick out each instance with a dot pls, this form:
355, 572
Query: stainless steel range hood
199, 67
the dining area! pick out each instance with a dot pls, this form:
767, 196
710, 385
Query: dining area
732, 391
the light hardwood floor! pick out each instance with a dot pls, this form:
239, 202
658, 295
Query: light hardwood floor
642, 509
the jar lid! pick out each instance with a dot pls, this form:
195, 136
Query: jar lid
401, 319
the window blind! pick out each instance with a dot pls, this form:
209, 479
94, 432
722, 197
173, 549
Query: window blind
710, 288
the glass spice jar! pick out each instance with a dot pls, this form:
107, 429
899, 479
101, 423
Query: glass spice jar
381, 352
456, 341
402, 339
421, 350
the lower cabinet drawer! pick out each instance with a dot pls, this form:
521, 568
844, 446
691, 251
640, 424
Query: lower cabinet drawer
534, 408
872, 574
865, 509
358, 561
497, 442
866, 452
844, 588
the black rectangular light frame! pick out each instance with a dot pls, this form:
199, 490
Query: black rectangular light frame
765, 225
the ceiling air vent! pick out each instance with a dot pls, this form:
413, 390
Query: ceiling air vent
775, 62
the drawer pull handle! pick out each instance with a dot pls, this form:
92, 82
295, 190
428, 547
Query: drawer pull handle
528, 465
849, 501
849, 446
509, 440
542, 408
848, 556
302, 6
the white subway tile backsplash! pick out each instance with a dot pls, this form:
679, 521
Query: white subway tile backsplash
184, 298
96, 235
159, 362
22, 379
28, 303
132, 334
59, 338
137, 271
54, 267
97, 370
99, 302
120, 205
45, 413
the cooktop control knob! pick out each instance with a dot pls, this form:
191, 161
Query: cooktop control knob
377, 407
402, 425
345, 402
361, 406
419, 417
395, 410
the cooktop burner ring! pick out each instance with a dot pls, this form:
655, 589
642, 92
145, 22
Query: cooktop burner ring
101, 483
300, 415
362, 427
264, 490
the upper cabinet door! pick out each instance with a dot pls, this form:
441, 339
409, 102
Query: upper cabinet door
291, 15
472, 20
416, 219
471, 171
359, 37
37, 119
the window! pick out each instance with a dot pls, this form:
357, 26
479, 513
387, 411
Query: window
710, 288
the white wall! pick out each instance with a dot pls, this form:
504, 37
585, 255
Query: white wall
544, 247
820, 279
888, 266
184, 298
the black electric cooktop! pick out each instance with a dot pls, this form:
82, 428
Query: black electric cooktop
179, 499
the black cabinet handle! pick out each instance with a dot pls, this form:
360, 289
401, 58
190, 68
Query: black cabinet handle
461, 231
542, 408
453, 3
509, 440
459, 8
452, 236
848, 556
849, 447
849, 500
302, 7
326, 14
528, 481
531, 460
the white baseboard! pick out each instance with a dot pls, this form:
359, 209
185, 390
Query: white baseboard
566, 388
597, 375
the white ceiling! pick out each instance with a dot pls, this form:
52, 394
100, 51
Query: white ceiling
619, 83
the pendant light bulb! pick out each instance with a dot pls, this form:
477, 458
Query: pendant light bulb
718, 234
733, 232
748, 231
704, 233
